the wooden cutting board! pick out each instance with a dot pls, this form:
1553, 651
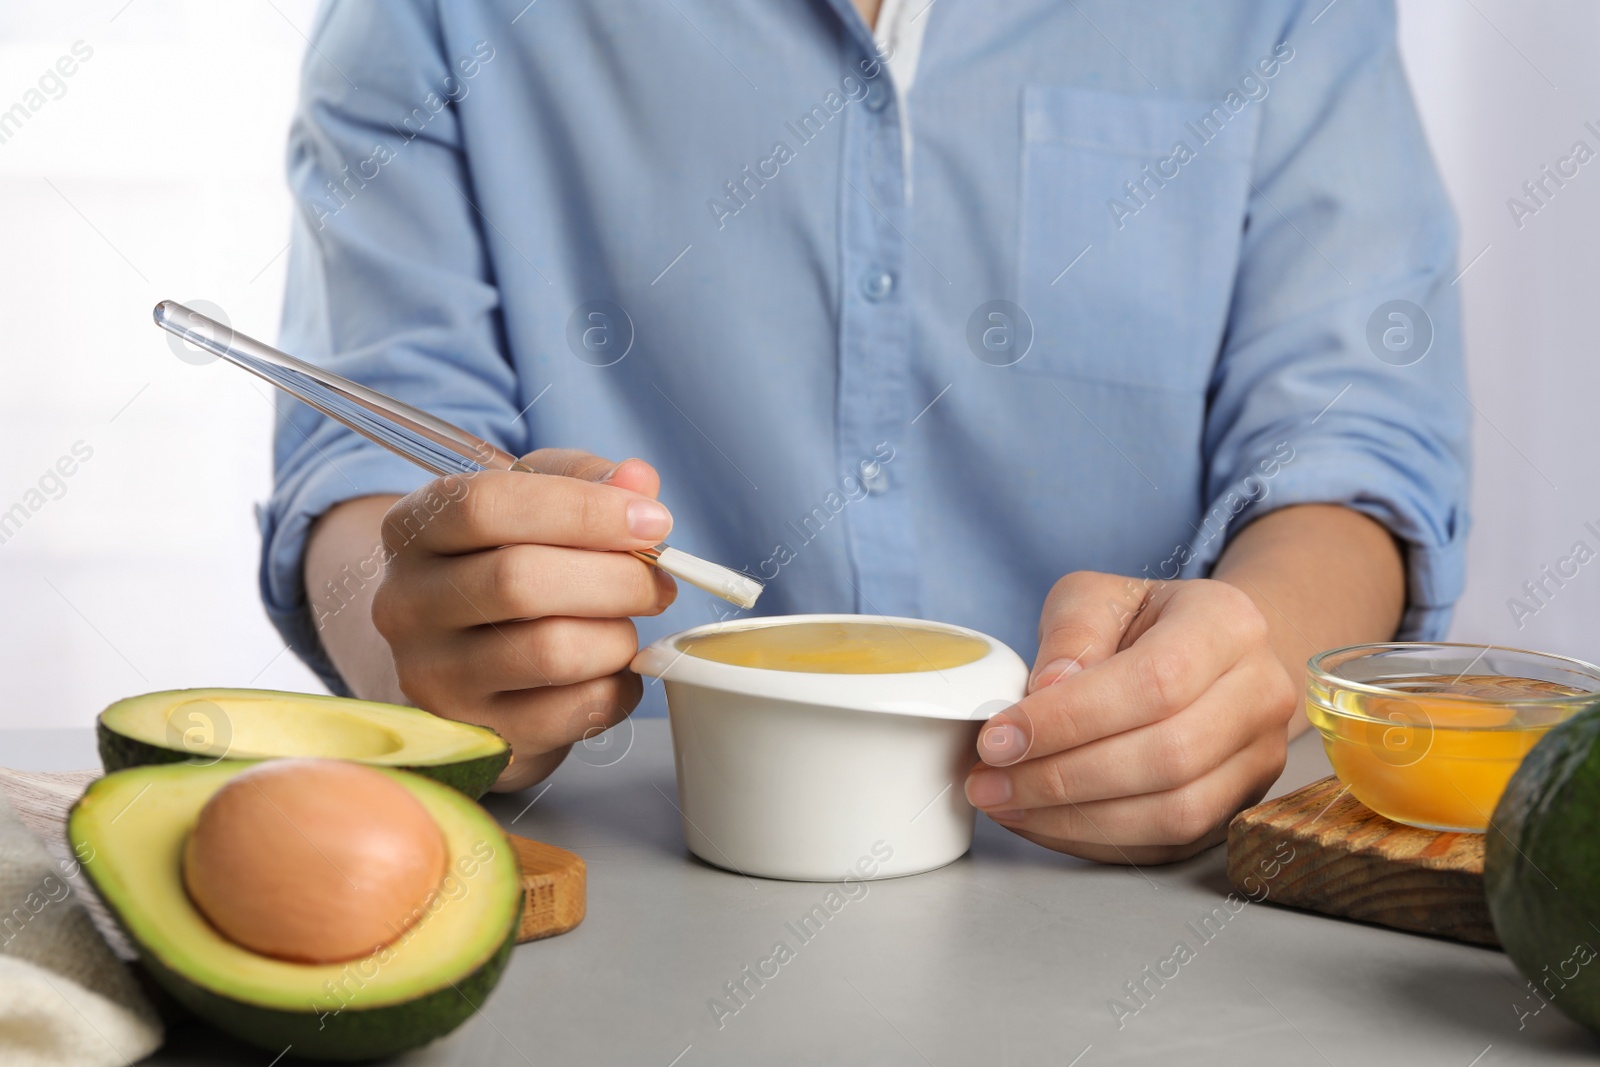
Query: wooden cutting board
554, 881
1321, 849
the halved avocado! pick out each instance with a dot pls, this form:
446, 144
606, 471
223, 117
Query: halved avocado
132, 825
205, 725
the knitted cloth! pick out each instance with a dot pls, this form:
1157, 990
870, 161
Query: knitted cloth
65, 999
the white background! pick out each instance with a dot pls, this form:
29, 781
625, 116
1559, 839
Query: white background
159, 174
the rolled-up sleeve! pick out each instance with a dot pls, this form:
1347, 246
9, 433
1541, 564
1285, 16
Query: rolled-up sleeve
1341, 376
389, 282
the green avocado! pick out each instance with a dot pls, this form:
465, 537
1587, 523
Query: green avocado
1541, 867
130, 827
205, 725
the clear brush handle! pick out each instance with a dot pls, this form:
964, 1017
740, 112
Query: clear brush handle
428, 441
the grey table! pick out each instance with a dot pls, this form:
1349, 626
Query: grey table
1011, 955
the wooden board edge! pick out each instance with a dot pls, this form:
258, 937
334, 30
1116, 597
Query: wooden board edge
1256, 867
555, 889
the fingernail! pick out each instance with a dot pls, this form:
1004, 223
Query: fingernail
608, 475
1002, 743
1053, 672
648, 520
986, 789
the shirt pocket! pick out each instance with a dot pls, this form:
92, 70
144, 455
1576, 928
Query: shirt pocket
1124, 285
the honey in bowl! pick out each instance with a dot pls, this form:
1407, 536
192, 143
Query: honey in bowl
839, 648
1436, 750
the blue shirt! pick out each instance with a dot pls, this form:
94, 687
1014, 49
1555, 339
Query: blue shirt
1108, 282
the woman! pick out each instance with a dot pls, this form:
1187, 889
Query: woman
1123, 333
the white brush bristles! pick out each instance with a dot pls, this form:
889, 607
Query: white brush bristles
730, 585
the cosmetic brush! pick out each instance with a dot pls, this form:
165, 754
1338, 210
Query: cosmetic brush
426, 440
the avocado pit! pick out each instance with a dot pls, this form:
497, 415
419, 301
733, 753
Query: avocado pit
313, 860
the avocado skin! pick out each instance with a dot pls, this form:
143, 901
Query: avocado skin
1546, 829
352, 1035
472, 777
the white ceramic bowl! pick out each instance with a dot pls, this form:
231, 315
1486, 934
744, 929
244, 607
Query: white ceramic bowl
820, 777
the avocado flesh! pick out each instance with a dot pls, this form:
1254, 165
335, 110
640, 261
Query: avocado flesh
1542, 867
132, 825
200, 725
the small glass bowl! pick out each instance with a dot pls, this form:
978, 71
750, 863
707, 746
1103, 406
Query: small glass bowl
1429, 734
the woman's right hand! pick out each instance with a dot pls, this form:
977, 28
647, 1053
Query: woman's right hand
509, 606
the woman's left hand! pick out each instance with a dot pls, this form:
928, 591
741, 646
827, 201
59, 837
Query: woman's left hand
1156, 711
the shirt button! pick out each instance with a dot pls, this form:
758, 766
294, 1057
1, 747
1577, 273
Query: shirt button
877, 97
877, 284
874, 477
